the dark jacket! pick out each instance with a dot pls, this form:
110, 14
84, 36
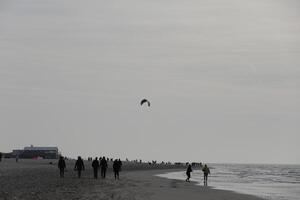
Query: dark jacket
120, 164
206, 170
103, 163
189, 169
95, 164
116, 166
61, 164
79, 165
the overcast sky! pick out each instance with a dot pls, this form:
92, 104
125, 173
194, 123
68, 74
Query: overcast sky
223, 78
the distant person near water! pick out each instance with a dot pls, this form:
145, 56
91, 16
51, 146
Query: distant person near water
206, 171
117, 167
95, 165
61, 166
79, 166
188, 173
103, 165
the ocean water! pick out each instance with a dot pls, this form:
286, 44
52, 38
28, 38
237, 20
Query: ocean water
272, 182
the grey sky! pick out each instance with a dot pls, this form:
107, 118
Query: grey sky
223, 78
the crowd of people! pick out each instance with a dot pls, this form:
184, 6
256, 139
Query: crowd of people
101, 164
97, 164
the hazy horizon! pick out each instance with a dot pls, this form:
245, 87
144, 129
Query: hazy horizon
223, 79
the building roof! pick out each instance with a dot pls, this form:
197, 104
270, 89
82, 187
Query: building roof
32, 148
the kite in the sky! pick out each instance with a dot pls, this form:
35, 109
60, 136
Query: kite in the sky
145, 101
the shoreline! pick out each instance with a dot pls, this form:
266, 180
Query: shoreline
37, 179
179, 189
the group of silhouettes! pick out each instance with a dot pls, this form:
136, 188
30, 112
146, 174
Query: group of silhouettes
204, 169
96, 165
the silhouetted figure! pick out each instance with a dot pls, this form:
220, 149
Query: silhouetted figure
206, 171
17, 158
95, 165
79, 166
61, 166
0, 156
188, 172
116, 168
103, 165
120, 163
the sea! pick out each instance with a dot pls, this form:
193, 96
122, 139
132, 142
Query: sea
271, 182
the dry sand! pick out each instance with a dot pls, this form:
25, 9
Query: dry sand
37, 179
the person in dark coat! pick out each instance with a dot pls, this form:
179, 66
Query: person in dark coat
95, 165
120, 163
116, 168
188, 173
61, 166
206, 171
79, 166
103, 165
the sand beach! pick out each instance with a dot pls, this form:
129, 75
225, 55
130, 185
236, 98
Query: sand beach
38, 179
216, 82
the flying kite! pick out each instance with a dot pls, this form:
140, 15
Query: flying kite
145, 101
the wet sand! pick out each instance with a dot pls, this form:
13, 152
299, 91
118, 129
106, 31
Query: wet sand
37, 179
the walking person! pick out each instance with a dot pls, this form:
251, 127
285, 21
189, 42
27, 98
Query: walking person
206, 171
95, 165
120, 163
17, 158
79, 166
103, 165
61, 166
188, 172
116, 168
